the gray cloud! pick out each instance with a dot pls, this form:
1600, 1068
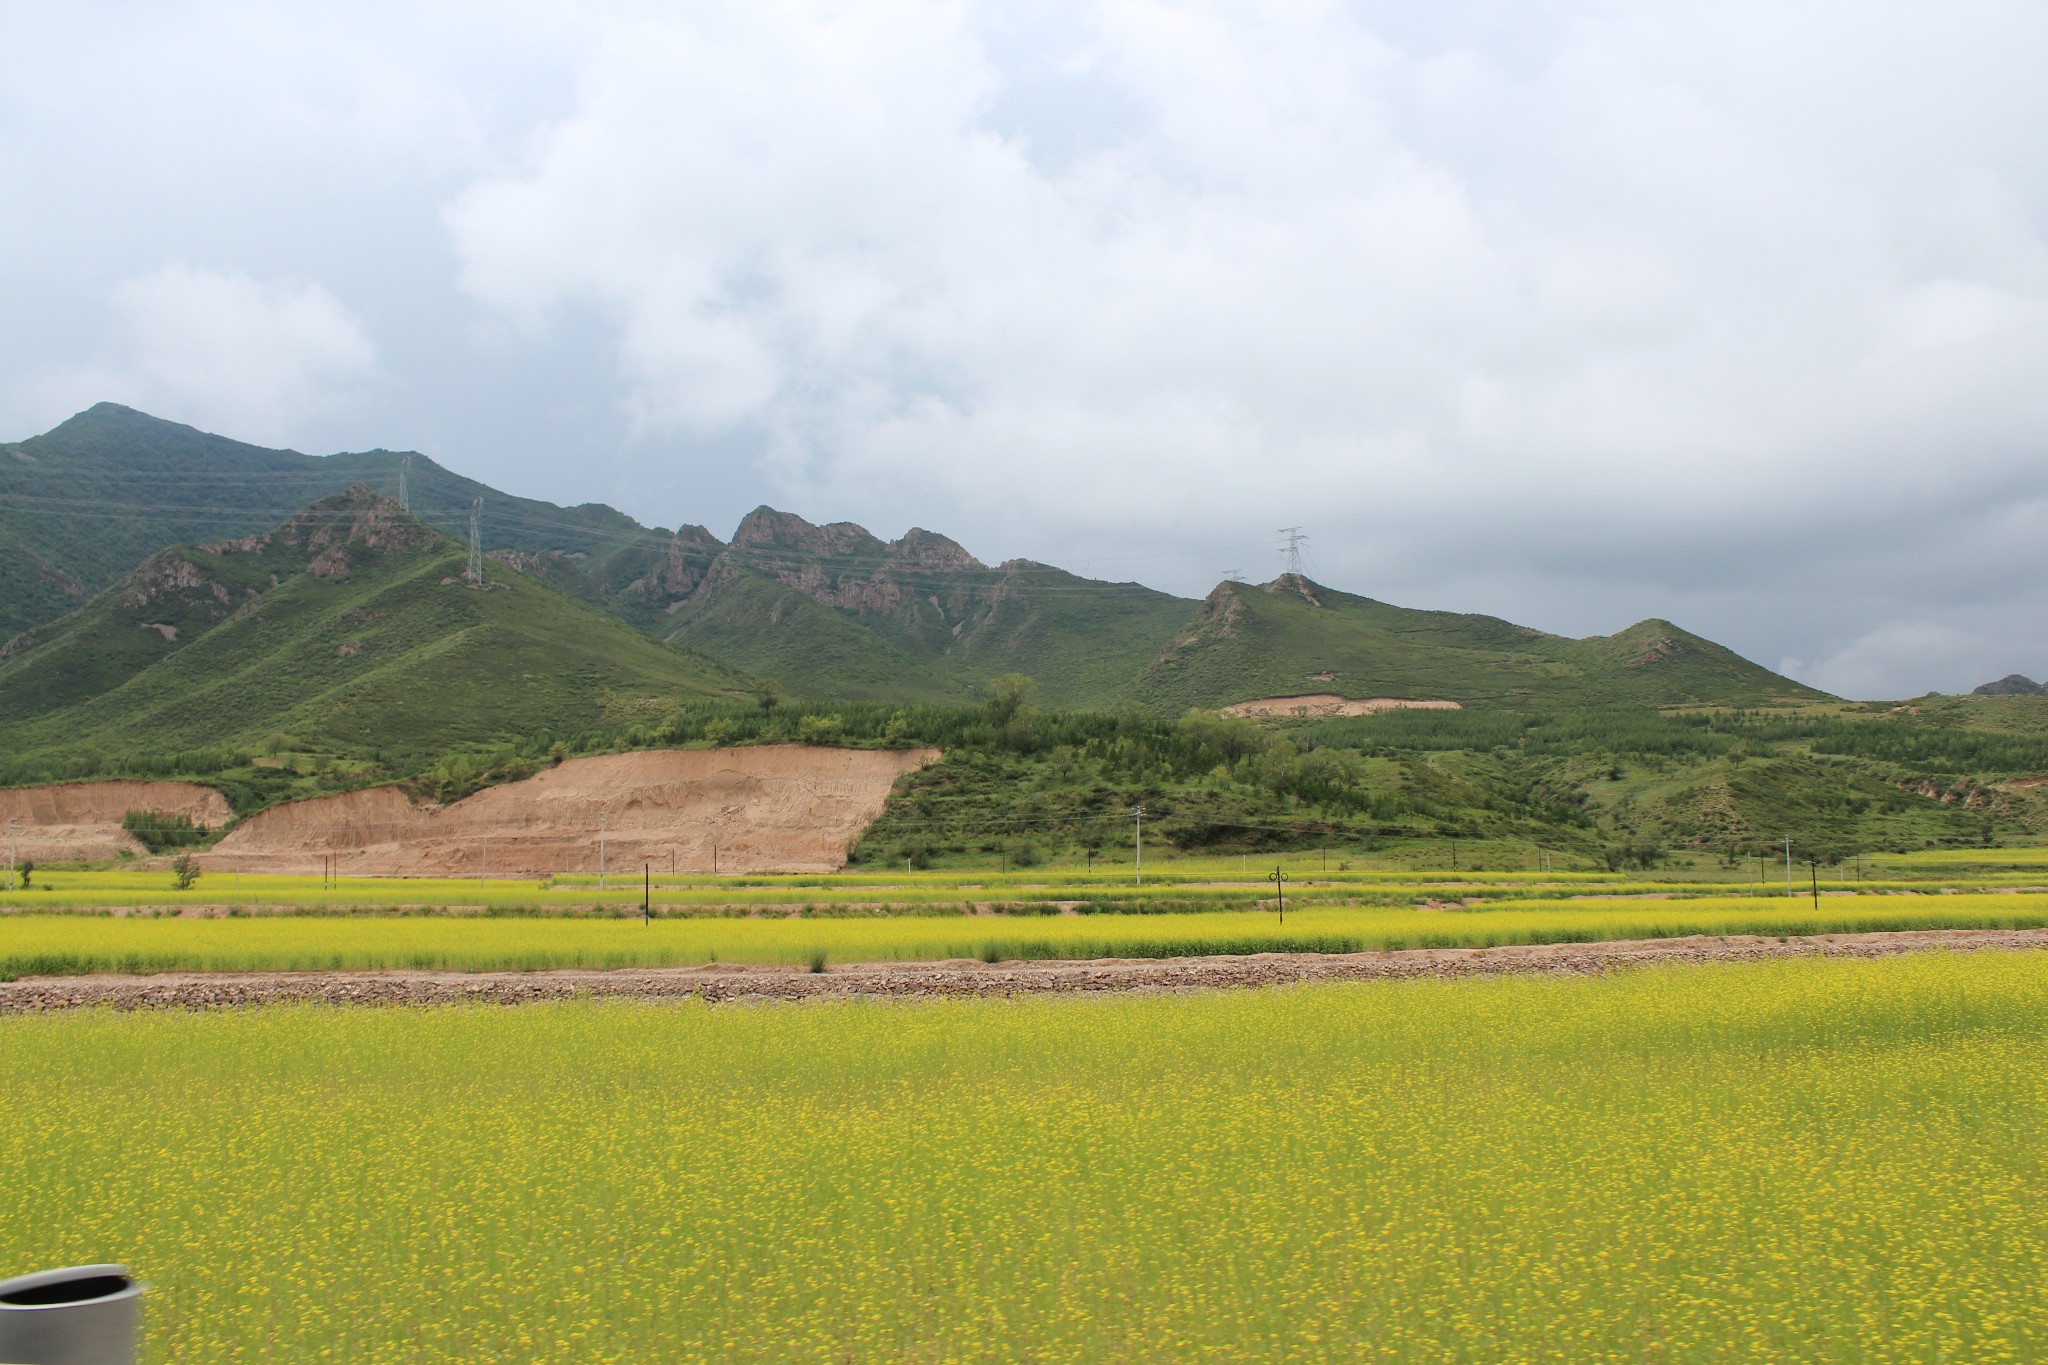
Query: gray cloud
1573, 313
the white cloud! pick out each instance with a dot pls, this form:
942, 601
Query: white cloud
1310, 259
1909, 658
255, 358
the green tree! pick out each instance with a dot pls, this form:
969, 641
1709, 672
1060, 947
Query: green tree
184, 872
824, 730
1007, 696
767, 695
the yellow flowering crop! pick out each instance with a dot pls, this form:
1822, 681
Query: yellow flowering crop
1815, 1160
59, 944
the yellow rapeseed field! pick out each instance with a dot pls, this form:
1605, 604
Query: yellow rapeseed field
46, 945
1815, 1160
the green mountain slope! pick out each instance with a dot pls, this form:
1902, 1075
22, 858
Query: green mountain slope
349, 628
1291, 637
764, 628
831, 611
917, 618
82, 503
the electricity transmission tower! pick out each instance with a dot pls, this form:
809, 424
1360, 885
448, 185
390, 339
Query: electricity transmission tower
1291, 552
476, 554
404, 494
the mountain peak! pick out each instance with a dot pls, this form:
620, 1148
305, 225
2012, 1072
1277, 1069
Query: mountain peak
930, 552
2011, 685
1299, 585
103, 422
357, 520
766, 528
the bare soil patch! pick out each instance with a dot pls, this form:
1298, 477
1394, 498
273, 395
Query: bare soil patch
765, 808
932, 980
1329, 704
81, 821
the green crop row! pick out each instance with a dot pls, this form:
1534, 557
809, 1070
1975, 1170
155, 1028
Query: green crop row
70, 944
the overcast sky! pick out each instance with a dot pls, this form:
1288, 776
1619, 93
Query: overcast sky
1574, 314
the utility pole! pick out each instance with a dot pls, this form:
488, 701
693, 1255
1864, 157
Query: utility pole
1139, 842
1280, 888
1813, 873
404, 492
647, 893
1788, 867
476, 553
12, 825
600, 853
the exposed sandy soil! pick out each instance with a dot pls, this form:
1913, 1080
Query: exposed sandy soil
929, 980
780, 808
1329, 704
81, 821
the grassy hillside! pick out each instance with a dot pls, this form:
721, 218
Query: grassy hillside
763, 628
86, 501
831, 611
1292, 636
348, 630
918, 618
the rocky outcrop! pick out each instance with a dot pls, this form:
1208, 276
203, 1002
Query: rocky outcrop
845, 567
2011, 685
681, 567
170, 574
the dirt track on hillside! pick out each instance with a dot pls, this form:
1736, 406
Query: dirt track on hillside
81, 821
766, 808
932, 980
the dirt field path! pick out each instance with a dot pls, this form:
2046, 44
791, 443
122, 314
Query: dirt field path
930, 980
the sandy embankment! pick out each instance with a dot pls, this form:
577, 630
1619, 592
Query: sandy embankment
780, 808
81, 821
1329, 704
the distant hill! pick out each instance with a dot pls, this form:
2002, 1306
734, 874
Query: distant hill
830, 612
349, 626
2011, 685
1293, 636
83, 503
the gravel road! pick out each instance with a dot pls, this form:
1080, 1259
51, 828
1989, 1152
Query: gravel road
929, 980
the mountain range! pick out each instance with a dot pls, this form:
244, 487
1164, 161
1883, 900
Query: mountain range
154, 575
